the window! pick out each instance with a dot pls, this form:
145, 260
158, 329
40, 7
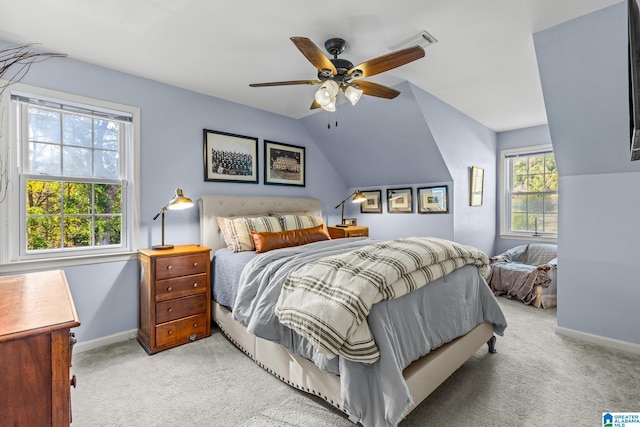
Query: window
530, 198
76, 164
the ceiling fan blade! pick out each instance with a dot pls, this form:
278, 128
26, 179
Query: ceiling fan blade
314, 105
314, 54
389, 61
375, 89
287, 83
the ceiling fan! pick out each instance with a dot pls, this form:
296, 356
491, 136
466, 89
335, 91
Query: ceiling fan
340, 74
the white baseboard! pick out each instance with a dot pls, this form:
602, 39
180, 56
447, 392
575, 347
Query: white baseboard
599, 340
110, 339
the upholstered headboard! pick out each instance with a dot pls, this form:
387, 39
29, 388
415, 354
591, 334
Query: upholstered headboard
212, 205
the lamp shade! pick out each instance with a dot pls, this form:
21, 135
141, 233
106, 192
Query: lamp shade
353, 94
326, 93
358, 197
179, 201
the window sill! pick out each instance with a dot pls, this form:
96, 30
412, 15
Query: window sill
530, 237
62, 262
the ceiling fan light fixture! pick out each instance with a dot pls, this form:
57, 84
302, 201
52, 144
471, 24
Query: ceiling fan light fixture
331, 106
327, 91
353, 94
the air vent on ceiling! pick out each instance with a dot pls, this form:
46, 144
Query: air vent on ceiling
423, 39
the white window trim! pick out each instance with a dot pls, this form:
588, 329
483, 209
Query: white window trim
504, 232
10, 260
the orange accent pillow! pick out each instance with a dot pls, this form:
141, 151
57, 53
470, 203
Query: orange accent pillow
267, 241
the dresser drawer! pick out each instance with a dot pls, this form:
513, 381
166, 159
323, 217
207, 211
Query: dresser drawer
180, 330
177, 266
180, 287
180, 307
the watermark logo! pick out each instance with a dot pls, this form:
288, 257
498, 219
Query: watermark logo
621, 419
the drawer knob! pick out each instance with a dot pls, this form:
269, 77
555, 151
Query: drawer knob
170, 332
73, 381
169, 289
169, 310
195, 264
195, 285
169, 267
195, 325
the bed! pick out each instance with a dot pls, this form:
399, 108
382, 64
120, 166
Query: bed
420, 377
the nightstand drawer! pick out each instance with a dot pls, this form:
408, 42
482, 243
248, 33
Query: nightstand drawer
180, 287
181, 307
181, 265
181, 330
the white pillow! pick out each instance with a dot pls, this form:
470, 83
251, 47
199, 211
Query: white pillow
296, 221
237, 230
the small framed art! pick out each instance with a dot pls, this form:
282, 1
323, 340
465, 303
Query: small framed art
476, 186
229, 157
284, 164
373, 202
433, 200
399, 200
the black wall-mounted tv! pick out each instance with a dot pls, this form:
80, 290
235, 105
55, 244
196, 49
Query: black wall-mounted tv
633, 14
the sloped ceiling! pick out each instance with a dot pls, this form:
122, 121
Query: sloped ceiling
378, 144
586, 96
483, 64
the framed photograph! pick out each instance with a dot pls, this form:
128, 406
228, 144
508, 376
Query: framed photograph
373, 204
350, 221
433, 200
399, 200
230, 158
476, 185
284, 164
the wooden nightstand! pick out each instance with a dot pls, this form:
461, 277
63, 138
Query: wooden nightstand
350, 231
175, 296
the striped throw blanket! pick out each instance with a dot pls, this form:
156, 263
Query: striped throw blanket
327, 301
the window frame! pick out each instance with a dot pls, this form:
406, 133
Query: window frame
505, 194
13, 253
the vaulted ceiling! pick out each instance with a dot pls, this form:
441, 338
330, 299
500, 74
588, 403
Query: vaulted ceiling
483, 63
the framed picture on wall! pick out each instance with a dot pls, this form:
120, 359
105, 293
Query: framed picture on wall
284, 164
476, 186
433, 200
399, 200
229, 157
373, 203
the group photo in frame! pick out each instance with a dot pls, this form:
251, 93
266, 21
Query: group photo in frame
399, 200
229, 157
433, 199
373, 202
284, 164
476, 186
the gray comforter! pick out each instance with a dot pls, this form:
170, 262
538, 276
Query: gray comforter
374, 394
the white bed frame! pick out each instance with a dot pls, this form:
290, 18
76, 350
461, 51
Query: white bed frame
423, 376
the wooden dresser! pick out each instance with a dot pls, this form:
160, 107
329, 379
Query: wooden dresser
36, 315
349, 231
175, 296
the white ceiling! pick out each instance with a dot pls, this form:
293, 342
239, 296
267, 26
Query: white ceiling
483, 64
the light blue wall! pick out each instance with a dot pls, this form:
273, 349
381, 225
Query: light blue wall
583, 69
172, 121
417, 141
536, 135
464, 143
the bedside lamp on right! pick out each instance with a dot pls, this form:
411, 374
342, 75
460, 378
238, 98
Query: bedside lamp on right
358, 197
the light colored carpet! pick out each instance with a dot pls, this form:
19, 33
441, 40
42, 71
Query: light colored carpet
537, 378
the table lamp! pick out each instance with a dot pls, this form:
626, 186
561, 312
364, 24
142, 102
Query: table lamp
358, 197
177, 202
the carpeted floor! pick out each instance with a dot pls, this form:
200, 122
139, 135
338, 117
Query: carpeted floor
537, 378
